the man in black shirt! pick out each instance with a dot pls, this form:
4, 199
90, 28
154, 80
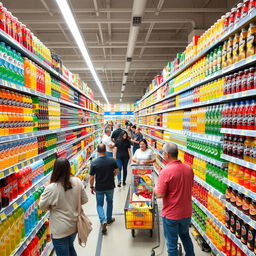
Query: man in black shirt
116, 133
105, 169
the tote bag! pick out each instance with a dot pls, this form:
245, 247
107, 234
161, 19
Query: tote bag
84, 225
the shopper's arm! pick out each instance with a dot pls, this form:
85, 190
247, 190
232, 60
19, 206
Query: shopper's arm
162, 185
84, 197
130, 153
48, 199
116, 171
114, 152
92, 184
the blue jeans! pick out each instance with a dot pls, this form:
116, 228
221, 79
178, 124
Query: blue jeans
65, 246
122, 164
109, 154
173, 229
100, 195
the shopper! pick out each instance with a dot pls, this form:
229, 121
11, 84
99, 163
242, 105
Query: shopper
116, 133
133, 130
106, 139
175, 184
103, 170
122, 154
137, 137
144, 155
129, 131
59, 198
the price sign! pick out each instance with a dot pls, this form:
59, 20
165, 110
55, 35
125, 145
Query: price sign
2, 216
15, 205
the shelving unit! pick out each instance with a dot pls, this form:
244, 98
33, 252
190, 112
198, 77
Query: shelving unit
174, 95
79, 149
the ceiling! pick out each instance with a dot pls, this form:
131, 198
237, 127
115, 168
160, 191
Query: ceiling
105, 25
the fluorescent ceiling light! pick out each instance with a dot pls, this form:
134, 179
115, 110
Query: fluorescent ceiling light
120, 100
123, 87
71, 23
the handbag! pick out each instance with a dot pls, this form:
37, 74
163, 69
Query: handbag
84, 225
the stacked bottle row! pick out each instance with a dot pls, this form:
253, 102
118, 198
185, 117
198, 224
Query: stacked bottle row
20, 223
23, 113
23, 36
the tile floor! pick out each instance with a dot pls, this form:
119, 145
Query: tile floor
118, 240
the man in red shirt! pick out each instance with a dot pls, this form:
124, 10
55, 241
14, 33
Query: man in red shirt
175, 187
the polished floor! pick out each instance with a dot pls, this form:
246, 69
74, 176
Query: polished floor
118, 240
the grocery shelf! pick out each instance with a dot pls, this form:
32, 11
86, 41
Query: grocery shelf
203, 157
239, 161
20, 136
47, 250
79, 171
226, 34
13, 43
5, 212
20, 88
241, 215
12, 169
240, 132
31, 236
243, 247
238, 242
240, 188
225, 98
207, 239
195, 135
211, 189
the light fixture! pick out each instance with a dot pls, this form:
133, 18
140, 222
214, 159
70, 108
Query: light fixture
120, 100
71, 23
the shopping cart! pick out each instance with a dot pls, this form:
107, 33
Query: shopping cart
139, 214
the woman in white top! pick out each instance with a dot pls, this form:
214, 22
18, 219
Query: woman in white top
60, 197
143, 155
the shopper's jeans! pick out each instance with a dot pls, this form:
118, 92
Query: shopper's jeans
65, 246
122, 164
109, 154
100, 195
173, 229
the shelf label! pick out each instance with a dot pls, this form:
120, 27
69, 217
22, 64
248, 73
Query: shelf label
25, 197
2, 215
15, 205
1, 174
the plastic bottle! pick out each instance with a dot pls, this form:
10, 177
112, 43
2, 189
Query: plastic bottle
247, 147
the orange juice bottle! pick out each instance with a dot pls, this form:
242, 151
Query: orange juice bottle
253, 151
242, 44
27, 72
247, 147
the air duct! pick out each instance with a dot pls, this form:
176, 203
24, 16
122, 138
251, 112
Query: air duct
138, 10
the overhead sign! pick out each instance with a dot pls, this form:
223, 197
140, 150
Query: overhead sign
118, 113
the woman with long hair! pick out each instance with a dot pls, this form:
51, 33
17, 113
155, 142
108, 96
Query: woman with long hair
60, 198
122, 154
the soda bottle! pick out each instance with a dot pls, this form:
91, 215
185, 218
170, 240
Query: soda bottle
251, 116
246, 115
240, 113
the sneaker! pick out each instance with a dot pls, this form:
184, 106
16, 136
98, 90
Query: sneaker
104, 228
124, 183
111, 221
119, 184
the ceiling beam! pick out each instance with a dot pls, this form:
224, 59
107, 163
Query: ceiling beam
124, 10
116, 46
112, 21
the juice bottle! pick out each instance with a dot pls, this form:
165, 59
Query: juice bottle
251, 40
242, 44
224, 55
236, 48
230, 50
241, 175
247, 147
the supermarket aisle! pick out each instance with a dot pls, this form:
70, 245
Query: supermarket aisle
119, 241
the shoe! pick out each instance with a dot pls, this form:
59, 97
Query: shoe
124, 183
104, 228
119, 184
111, 221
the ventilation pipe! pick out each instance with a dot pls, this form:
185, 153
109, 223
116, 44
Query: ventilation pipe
138, 10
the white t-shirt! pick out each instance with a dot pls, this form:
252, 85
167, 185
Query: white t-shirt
144, 155
107, 141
